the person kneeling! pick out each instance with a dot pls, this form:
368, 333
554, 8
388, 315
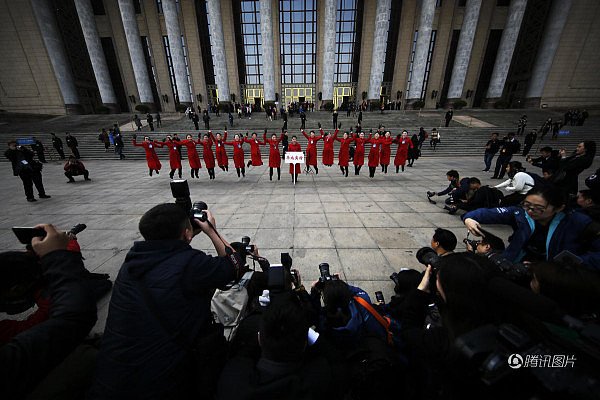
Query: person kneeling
74, 167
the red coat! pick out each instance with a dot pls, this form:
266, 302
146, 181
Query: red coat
294, 147
328, 147
311, 149
192, 153
274, 154
359, 153
174, 159
344, 154
238, 153
207, 153
222, 159
374, 149
402, 152
386, 151
255, 150
151, 157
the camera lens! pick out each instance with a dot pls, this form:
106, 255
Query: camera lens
245, 240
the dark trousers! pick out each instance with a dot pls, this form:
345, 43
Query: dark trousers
119, 151
528, 147
501, 164
335, 123
75, 151
303, 123
196, 126
487, 159
448, 121
41, 156
29, 179
60, 152
372, 171
151, 126
172, 173
85, 174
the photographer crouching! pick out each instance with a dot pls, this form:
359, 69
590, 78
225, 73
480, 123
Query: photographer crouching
159, 341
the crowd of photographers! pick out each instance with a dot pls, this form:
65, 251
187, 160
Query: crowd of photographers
184, 324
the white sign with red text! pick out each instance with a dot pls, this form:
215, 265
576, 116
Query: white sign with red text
294, 157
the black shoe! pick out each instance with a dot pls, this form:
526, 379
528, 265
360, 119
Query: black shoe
71, 181
87, 179
157, 172
249, 163
44, 196
31, 200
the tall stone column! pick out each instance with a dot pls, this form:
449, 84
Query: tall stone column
463, 49
421, 51
58, 57
510, 34
382, 22
97, 59
554, 26
327, 80
218, 49
268, 58
136, 52
176, 48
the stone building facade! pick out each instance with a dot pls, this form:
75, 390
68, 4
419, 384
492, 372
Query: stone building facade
86, 56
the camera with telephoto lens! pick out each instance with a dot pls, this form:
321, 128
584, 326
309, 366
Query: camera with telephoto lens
247, 246
325, 274
429, 196
181, 193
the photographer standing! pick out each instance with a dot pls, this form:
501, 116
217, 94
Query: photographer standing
159, 341
26, 168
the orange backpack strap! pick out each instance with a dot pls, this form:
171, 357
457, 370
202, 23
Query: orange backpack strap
384, 321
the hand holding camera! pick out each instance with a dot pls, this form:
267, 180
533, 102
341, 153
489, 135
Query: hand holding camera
473, 227
424, 286
54, 240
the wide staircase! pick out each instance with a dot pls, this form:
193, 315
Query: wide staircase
457, 140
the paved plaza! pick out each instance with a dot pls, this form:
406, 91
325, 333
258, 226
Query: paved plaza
364, 228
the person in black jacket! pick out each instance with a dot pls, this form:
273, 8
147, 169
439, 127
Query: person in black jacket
58, 146
491, 148
510, 146
160, 305
482, 197
38, 147
530, 139
26, 168
72, 144
35, 352
575, 164
547, 160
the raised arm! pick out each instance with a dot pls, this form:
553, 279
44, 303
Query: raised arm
136, 144
335, 134
305, 135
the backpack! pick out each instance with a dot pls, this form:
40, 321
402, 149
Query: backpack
229, 306
391, 327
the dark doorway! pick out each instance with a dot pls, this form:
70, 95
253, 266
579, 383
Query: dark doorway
257, 102
114, 72
301, 99
488, 66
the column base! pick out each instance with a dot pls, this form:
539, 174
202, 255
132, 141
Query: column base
112, 108
74, 109
489, 102
532, 102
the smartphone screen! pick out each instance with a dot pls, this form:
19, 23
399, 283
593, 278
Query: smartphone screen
25, 234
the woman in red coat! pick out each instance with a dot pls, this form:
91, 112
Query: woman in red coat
311, 150
151, 157
344, 154
238, 154
222, 159
359, 153
294, 146
328, 142
193, 158
374, 149
386, 151
404, 143
207, 155
255, 157
274, 154
174, 158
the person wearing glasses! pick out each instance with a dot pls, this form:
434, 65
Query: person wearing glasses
542, 228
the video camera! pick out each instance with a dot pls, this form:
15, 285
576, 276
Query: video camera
181, 193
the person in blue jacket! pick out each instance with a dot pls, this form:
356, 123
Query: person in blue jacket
542, 228
457, 189
342, 316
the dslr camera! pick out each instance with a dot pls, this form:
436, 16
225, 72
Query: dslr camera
325, 274
181, 193
247, 246
429, 196
428, 256
472, 243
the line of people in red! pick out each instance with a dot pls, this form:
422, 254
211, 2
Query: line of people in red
379, 144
